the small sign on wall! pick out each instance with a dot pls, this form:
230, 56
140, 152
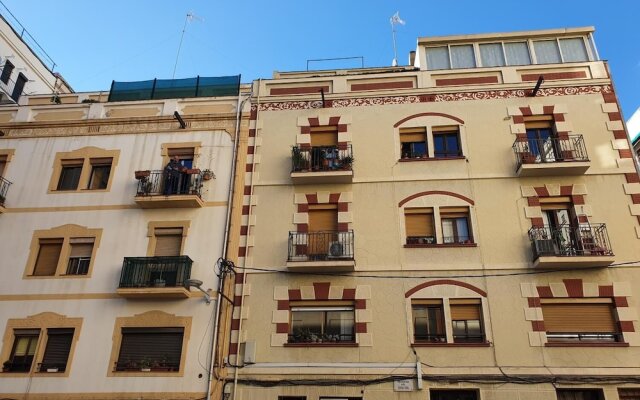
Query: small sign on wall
403, 385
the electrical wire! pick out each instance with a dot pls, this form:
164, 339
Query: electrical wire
357, 274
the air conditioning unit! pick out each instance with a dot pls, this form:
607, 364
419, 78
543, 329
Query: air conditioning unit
544, 247
340, 249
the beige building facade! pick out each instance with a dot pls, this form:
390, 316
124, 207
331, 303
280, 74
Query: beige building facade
117, 208
463, 228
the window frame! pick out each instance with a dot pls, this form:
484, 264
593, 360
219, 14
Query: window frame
5, 76
153, 365
67, 233
153, 238
42, 322
149, 319
533, 59
446, 304
84, 158
324, 307
430, 133
439, 216
615, 338
436, 304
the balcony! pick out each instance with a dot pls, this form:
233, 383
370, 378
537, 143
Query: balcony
154, 277
555, 156
4, 188
162, 189
321, 251
568, 246
325, 164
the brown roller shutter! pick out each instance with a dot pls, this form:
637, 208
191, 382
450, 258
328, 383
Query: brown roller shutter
323, 220
324, 136
81, 247
465, 310
440, 129
48, 256
184, 152
454, 212
168, 241
412, 135
419, 222
578, 318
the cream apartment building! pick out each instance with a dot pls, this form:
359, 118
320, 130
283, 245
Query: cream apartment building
119, 206
466, 227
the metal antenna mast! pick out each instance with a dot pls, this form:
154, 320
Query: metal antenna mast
190, 17
395, 20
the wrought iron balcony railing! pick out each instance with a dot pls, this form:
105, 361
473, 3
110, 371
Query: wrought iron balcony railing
169, 183
550, 150
145, 272
4, 188
323, 158
321, 246
568, 241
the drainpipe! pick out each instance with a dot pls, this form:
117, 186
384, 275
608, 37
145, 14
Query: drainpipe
244, 276
214, 333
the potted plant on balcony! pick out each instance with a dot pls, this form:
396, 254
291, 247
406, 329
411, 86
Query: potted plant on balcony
346, 162
145, 365
207, 174
298, 159
6, 366
141, 175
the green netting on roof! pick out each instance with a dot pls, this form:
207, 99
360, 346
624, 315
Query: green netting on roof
175, 88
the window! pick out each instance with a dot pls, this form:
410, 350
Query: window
455, 394
100, 171
466, 321
318, 324
70, 175
56, 353
48, 257
517, 53
3, 163
24, 348
573, 50
580, 394
455, 225
168, 242
21, 80
446, 142
67, 250
419, 225
88, 168
629, 393
547, 51
6, 71
413, 143
149, 349
541, 138
568, 321
80, 256
498, 54
491, 55
323, 230
428, 321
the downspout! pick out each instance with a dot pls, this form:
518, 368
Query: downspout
214, 333
244, 275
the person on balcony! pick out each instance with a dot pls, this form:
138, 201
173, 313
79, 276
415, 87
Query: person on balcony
174, 175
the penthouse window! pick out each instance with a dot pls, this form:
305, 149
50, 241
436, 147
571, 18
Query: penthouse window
507, 53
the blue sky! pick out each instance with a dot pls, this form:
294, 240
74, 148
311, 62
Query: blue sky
94, 42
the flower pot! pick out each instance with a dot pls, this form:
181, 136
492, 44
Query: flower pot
142, 174
52, 369
145, 369
192, 171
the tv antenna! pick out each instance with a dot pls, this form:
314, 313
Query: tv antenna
394, 20
190, 17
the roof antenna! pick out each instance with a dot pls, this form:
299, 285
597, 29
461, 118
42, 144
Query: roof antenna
395, 20
190, 17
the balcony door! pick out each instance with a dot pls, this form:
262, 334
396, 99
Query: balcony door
323, 229
168, 244
324, 148
561, 223
543, 142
